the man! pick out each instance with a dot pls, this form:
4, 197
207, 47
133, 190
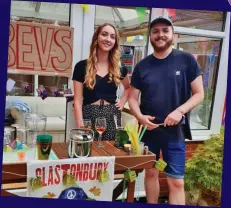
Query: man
171, 85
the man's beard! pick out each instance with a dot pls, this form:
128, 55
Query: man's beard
158, 49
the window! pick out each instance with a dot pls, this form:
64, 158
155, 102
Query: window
197, 19
49, 82
207, 52
20, 80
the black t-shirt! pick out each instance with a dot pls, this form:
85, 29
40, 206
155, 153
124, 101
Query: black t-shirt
165, 85
102, 90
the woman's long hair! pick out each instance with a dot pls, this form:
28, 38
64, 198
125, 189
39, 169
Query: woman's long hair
113, 58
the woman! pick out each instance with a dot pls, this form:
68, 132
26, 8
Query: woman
96, 81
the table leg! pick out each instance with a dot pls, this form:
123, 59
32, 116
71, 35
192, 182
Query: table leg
131, 191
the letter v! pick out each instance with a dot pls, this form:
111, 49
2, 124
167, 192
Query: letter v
43, 44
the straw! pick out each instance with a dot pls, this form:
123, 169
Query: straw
129, 134
133, 135
141, 126
142, 134
135, 139
128, 129
136, 130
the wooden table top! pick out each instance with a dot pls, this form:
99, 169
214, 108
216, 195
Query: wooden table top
123, 160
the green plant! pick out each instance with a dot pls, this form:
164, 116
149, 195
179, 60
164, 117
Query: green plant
204, 169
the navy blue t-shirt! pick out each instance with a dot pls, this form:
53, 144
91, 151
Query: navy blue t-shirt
165, 85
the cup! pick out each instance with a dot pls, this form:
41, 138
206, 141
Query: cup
87, 123
140, 151
142, 148
21, 155
122, 137
43, 146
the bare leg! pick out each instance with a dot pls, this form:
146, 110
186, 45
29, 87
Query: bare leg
152, 186
176, 191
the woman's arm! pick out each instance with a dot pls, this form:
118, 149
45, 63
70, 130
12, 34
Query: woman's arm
78, 102
126, 84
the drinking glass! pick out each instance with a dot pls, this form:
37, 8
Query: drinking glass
87, 123
100, 126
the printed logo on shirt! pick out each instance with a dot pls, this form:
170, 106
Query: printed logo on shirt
177, 73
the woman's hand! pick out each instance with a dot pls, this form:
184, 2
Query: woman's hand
123, 99
78, 97
120, 104
79, 123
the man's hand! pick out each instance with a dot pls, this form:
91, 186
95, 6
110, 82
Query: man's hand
146, 120
173, 118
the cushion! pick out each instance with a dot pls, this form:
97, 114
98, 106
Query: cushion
55, 124
63, 118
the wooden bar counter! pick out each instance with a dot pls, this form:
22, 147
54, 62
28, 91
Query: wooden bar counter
123, 161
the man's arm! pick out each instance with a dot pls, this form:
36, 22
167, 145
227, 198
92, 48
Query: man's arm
197, 97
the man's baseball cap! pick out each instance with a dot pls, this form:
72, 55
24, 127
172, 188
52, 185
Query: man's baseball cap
161, 19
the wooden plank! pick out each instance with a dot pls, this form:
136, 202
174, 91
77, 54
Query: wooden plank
6, 193
14, 173
134, 162
64, 146
58, 150
100, 151
118, 176
131, 191
112, 150
14, 186
94, 153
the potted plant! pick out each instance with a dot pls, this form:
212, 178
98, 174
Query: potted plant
203, 174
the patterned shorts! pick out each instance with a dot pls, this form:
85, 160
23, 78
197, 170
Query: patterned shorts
109, 112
